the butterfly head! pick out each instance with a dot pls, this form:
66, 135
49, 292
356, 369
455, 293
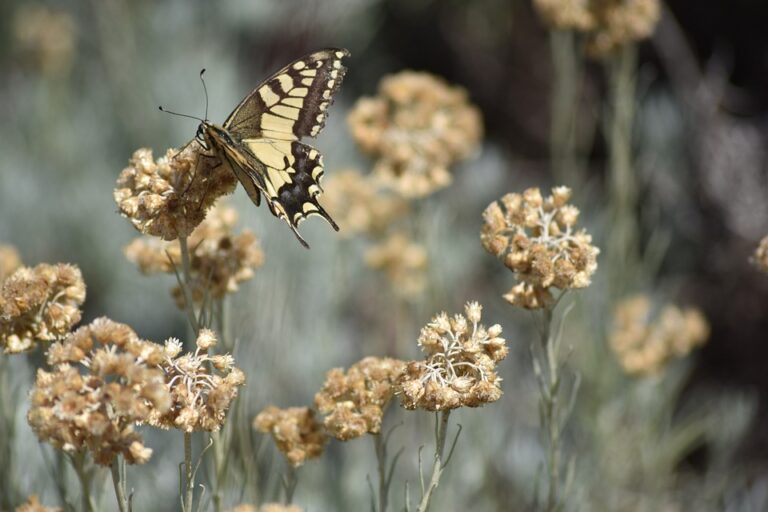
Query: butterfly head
209, 133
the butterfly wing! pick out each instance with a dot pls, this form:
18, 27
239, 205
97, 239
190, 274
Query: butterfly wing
292, 103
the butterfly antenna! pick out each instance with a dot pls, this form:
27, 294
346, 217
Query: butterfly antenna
177, 114
205, 90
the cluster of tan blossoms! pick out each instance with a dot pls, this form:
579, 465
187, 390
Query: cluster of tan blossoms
33, 505
202, 386
402, 260
169, 197
607, 24
644, 339
266, 507
359, 204
39, 304
104, 380
416, 128
9, 260
460, 365
535, 237
354, 402
295, 430
760, 258
219, 259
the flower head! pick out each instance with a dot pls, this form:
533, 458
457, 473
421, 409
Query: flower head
566, 14
296, 432
536, 238
460, 365
354, 402
45, 38
644, 338
9, 260
417, 127
760, 258
169, 197
104, 380
219, 259
202, 386
33, 505
621, 22
402, 260
39, 304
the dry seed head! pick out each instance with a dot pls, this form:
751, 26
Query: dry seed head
621, 22
104, 380
33, 505
219, 259
402, 260
169, 198
354, 402
39, 304
360, 205
565, 14
296, 432
202, 386
460, 364
760, 258
535, 237
645, 339
9, 260
417, 128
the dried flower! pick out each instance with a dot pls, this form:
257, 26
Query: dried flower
760, 258
354, 403
359, 205
537, 240
39, 304
296, 432
104, 381
621, 22
416, 128
404, 262
202, 386
566, 14
170, 197
645, 339
33, 505
9, 260
45, 38
219, 259
460, 367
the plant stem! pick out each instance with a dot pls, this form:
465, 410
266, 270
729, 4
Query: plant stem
118, 480
439, 464
218, 469
564, 107
381, 457
291, 481
189, 473
84, 476
189, 306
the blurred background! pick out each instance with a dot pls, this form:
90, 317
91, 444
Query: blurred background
79, 92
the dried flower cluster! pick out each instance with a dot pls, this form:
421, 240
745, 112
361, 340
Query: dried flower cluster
39, 304
169, 198
402, 260
296, 432
359, 204
760, 258
536, 239
354, 402
608, 24
416, 128
460, 367
33, 505
44, 38
219, 259
121, 385
645, 339
9, 260
266, 507
202, 386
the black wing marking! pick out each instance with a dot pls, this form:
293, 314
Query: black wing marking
293, 102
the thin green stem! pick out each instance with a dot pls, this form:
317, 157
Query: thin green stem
441, 434
118, 480
290, 482
189, 474
564, 106
380, 447
85, 477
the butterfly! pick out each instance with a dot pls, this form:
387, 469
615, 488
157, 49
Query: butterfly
261, 139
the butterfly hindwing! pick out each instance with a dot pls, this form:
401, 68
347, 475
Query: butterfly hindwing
293, 102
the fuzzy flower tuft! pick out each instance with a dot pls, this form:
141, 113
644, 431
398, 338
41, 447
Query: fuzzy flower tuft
566, 14
354, 402
169, 197
621, 22
460, 367
416, 128
39, 304
537, 239
33, 505
219, 259
760, 258
645, 338
202, 386
104, 380
296, 432
9, 260
402, 260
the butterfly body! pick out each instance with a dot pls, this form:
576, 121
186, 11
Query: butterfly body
261, 139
